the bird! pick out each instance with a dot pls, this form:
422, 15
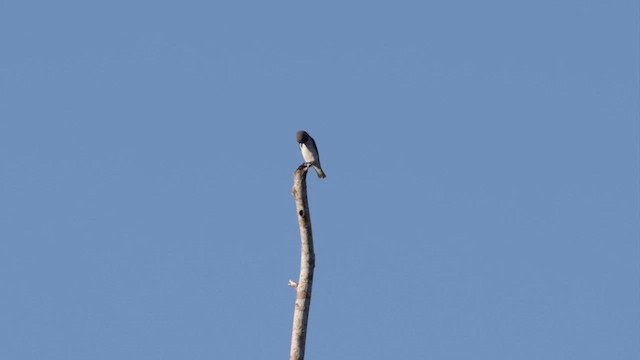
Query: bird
309, 152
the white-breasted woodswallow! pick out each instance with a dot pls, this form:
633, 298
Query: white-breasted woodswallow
309, 151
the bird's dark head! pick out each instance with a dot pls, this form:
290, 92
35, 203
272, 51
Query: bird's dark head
302, 136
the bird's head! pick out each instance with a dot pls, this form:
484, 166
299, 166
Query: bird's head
302, 136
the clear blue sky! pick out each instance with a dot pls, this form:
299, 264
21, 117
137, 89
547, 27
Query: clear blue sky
481, 200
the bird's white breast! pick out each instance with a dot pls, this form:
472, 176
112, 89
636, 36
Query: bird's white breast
307, 155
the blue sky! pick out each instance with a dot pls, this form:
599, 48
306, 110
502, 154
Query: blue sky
481, 199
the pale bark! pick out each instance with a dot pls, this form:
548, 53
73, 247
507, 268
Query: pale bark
307, 264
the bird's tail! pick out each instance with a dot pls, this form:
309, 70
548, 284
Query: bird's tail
321, 173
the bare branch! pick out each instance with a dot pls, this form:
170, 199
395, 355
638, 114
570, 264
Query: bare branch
307, 264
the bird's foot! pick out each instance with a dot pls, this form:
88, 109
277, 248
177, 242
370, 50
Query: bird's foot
305, 166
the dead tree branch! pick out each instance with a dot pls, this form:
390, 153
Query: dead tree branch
307, 264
